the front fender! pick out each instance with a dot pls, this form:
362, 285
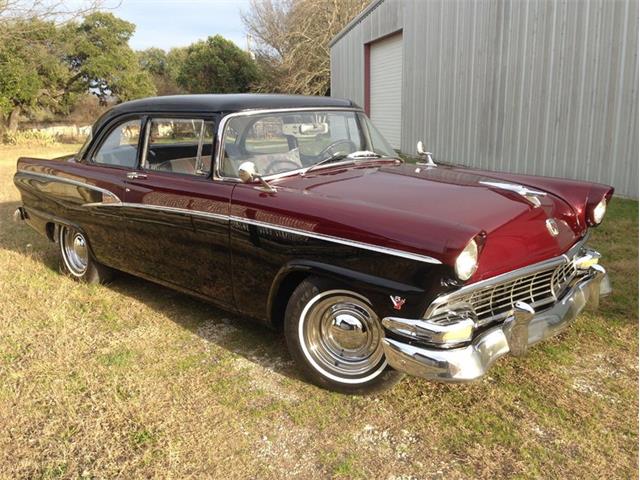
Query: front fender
377, 289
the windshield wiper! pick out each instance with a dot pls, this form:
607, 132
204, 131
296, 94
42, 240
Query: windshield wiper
340, 156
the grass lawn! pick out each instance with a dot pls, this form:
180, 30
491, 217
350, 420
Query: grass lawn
134, 380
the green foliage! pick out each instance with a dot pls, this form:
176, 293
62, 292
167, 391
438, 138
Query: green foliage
101, 59
217, 65
28, 69
175, 59
53, 67
153, 60
163, 68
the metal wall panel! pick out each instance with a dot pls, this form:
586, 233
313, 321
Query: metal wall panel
548, 87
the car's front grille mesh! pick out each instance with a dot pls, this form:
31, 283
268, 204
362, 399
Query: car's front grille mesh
495, 302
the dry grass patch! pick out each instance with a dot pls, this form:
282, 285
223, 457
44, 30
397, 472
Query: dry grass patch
133, 380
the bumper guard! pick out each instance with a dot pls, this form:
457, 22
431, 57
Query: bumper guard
523, 328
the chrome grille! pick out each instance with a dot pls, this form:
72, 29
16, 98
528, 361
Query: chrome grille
539, 289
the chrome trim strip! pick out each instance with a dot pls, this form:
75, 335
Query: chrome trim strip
429, 332
145, 143
70, 181
341, 241
295, 231
505, 277
195, 213
162, 208
223, 124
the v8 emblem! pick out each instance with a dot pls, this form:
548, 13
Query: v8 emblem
397, 301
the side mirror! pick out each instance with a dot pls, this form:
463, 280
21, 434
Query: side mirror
247, 173
423, 153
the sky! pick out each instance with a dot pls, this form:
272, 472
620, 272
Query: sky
178, 23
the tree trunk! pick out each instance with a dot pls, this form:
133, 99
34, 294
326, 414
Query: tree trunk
14, 119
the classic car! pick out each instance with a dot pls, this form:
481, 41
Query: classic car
295, 211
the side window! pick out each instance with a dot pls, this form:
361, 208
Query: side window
121, 146
179, 145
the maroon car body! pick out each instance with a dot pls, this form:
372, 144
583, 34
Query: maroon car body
382, 227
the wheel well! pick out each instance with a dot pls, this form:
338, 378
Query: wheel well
51, 231
280, 300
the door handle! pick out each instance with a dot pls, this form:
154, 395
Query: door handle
134, 175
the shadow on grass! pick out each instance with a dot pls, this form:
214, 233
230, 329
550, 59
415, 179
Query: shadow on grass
252, 340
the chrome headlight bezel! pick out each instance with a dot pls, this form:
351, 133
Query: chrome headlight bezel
466, 262
599, 211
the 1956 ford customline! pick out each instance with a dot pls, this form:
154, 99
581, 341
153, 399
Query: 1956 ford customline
295, 211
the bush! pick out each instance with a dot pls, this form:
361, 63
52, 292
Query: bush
28, 137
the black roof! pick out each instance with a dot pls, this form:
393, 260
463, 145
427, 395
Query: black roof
227, 103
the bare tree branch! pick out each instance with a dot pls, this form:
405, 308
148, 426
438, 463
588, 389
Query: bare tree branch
17, 16
292, 41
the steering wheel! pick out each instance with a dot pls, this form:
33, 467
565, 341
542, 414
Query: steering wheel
329, 149
269, 169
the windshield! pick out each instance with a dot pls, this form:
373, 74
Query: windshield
281, 142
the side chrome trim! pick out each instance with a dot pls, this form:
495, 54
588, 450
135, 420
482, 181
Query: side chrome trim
114, 201
71, 181
223, 124
162, 208
341, 241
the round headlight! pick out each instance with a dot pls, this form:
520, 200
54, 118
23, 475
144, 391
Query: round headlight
467, 261
598, 211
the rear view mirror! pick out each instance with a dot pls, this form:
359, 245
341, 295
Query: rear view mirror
305, 129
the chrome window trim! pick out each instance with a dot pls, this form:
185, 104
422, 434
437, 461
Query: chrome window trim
244, 113
145, 143
144, 165
508, 276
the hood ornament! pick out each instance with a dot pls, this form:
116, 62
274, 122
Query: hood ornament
528, 193
552, 226
427, 156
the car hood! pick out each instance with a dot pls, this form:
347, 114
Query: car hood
437, 211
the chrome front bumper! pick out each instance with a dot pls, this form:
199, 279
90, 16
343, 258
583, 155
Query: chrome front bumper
522, 328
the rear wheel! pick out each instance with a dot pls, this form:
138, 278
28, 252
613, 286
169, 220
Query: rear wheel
76, 259
336, 338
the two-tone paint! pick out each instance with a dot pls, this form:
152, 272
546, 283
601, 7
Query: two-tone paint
381, 227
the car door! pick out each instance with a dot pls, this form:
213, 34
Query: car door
110, 158
178, 217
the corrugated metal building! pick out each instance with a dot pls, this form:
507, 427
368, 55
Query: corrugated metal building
548, 87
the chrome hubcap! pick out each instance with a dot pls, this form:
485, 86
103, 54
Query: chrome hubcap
342, 337
74, 251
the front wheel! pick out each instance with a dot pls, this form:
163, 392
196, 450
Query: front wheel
76, 259
335, 337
